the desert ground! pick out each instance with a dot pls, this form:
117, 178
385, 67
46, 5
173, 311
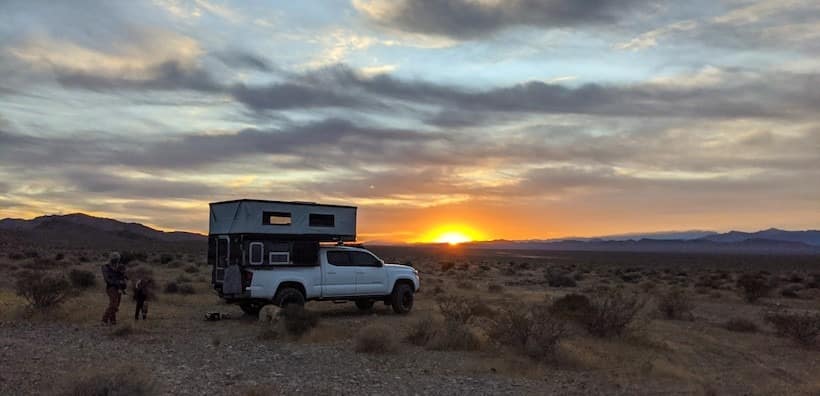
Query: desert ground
484, 322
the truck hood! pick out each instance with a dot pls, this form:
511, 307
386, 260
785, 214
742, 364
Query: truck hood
399, 268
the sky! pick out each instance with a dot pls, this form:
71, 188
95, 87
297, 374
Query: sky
514, 119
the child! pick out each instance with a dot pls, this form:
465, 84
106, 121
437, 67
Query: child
140, 296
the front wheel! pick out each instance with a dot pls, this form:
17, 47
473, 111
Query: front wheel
402, 299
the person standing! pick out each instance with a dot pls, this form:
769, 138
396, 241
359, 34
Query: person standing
115, 283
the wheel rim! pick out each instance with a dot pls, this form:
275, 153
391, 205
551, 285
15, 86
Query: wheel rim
407, 300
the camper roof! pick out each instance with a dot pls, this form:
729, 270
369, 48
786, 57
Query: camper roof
283, 220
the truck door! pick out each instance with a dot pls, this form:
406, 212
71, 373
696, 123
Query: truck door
339, 274
371, 277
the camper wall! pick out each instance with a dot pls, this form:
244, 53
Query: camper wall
286, 219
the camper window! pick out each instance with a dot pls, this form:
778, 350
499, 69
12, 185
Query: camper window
276, 218
257, 256
279, 258
322, 220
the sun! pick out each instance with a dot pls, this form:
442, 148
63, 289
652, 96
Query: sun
452, 238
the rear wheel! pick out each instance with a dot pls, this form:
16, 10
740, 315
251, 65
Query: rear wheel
364, 305
251, 309
289, 295
402, 298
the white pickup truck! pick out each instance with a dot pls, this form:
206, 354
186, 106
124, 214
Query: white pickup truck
344, 273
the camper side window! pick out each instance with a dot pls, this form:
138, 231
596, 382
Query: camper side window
275, 218
257, 256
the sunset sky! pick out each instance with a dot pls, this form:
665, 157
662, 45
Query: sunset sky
508, 119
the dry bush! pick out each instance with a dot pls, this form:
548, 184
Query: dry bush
42, 291
802, 327
461, 310
555, 279
82, 279
446, 265
297, 320
571, 306
465, 285
375, 338
422, 331
675, 304
753, 287
126, 381
790, 291
454, 336
171, 288
741, 325
532, 331
187, 288
495, 288
612, 312
191, 269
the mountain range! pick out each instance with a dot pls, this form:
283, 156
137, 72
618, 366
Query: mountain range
80, 229
83, 229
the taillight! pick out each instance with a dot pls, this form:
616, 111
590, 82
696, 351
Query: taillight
247, 278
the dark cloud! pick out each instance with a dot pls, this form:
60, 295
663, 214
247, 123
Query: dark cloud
169, 75
91, 183
293, 96
466, 19
245, 60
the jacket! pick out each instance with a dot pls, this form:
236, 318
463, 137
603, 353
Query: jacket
113, 278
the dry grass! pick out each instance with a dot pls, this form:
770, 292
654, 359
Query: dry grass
377, 339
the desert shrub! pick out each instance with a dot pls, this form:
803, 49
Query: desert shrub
494, 288
454, 336
421, 331
297, 320
375, 339
42, 291
802, 327
186, 288
125, 381
16, 256
183, 279
171, 288
191, 269
461, 310
532, 331
82, 279
59, 256
446, 265
790, 291
555, 279
174, 264
137, 273
741, 325
571, 306
127, 257
31, 253
612, 312
165, 258
465, 285
753, 287
675, 304
83, 258
41, 263
438, 290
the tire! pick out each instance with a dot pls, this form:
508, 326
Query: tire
289, 295
251, 309
402, 298
364, 305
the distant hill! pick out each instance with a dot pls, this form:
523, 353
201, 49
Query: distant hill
85, 230
771, 241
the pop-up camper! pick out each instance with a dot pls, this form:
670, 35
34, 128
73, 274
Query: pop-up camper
257, 233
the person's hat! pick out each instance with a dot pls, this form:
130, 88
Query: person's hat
115, 257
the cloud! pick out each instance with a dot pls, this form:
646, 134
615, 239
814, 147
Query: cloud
650, 39
473, 19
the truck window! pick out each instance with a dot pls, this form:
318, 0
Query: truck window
338, 258
363, 259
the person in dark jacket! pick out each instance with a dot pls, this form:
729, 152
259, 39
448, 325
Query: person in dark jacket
140, 296
115, 283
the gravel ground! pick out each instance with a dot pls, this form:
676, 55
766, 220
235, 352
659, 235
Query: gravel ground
35, 358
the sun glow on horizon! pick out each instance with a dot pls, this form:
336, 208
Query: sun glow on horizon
451, 234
